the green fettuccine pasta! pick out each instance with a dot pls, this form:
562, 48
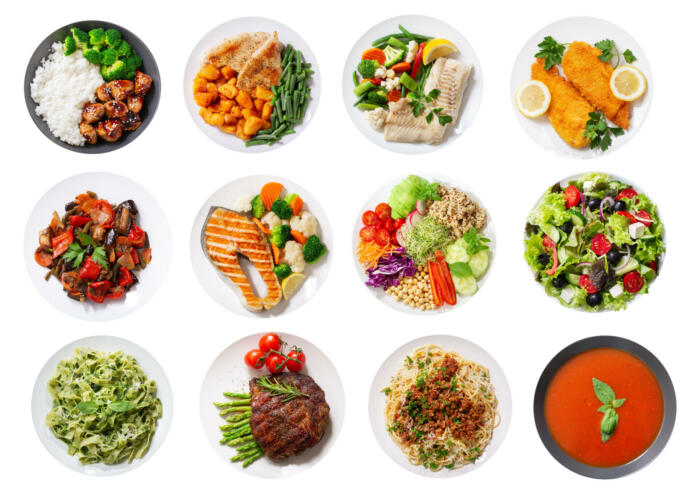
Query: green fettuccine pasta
104, 407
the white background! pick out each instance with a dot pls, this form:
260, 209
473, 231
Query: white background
509, 317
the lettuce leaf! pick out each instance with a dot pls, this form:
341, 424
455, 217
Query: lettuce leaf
533, 248
403, 197
551, 209
617, 230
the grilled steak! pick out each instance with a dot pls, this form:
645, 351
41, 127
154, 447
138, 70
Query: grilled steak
288, 428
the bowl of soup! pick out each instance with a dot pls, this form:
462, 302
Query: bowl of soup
604, 407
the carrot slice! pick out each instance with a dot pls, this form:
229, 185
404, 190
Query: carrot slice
296, 205
263, 228
401, 67
394, 95
298, 237
276, 254
44, 259
374, 54
269, 193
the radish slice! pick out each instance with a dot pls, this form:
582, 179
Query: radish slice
414, 218
420, 207
400, 238
605, 200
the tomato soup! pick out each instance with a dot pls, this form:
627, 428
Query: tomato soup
570, 407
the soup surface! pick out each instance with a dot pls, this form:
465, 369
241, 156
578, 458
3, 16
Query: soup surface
570, 407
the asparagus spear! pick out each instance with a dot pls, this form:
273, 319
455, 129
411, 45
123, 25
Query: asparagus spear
245, 455
235, 395
237, 403
229, 410
251, 459
238, 417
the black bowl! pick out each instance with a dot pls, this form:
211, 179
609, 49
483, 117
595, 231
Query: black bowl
668, 396
149, 67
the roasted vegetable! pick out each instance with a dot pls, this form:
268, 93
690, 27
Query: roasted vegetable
282, 271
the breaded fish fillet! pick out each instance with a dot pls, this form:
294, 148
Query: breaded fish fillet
568, 111
591, 76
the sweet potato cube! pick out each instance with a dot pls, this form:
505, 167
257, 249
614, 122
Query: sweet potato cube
228, 90
210, 72
253, 125
258, 104
263, 93
203, 98
236, 111
267, 110
225, 105
227, 72
230, 129
247, 113
244, 100
199, 84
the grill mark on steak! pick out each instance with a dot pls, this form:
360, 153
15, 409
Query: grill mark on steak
288, 428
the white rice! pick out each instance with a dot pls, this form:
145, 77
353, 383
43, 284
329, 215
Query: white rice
61, 87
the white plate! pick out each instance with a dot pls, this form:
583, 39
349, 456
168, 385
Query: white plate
382, 195
228, 373
41, 403
222, 289
590, 30
228, 30
427, 26
467, 350
563, 184
115, 189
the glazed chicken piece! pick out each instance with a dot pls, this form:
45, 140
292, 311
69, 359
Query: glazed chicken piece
131, 121
110, 130
135, 103
88, 132
115, 109
120, 89
103, 93
143, 82
92, 112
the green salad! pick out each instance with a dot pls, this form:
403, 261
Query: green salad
104, 407
594, 243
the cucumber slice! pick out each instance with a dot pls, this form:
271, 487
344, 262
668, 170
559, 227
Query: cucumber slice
632, 265
577, 218
479, 263
574, 279
572, 238
647, 273
553, 233
466, 286
562, 255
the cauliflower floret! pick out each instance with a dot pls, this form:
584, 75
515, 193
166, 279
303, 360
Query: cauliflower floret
391, 84
412, 51
391, 74
376, 118
381, 72
270, 220
243, 203
293, 256
305, 223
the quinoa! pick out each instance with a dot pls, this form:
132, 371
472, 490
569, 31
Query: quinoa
457, 211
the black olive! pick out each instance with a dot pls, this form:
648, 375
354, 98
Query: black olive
594, 299
633, 248
567, 227
559, 282
543, 258
614, 257
594, 204
619, 205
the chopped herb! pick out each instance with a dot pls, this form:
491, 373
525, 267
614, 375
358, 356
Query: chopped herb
551, 51
629, 56
598, 132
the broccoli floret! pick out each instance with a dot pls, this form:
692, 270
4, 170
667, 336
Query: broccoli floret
282, 271
109, 56
81, 38
257, 207
313, 249
115, 71
133, 62
378, 96
69, 45
130, 75
93, 55
124, 49
97, 37
367, 68
280, 235
113, 38
282, 209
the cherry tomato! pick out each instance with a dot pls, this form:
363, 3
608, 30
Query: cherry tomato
627, 194
389, 224
367, 233
398, 223
383, 211
382, 237
600, 244
633, 281
628, 216
572, 196
394, 240
254, 358
643, 217
587, 285
270, 342
653, 265
275, 362
296, 360
369, 218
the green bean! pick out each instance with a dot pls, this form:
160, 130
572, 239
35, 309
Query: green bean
287, 53
361, 98
298, 62
264, 137
254, 142
286, 132
381, 42
309, 72
403, 91
356, 81
295, 95
306, 65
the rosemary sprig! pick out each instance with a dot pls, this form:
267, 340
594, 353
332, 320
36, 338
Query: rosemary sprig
277, 388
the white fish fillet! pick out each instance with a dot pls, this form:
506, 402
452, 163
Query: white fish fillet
451, 77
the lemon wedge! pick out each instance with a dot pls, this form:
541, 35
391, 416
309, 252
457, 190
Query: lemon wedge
436, 48
627, 83
532, 98
291, 284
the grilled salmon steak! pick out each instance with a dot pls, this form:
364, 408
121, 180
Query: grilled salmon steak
228, 234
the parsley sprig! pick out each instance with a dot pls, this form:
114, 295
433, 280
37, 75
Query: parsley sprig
420, 102
551, 51
610, 52
75, 253
598, 132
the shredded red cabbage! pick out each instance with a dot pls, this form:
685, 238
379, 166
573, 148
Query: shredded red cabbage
390, 269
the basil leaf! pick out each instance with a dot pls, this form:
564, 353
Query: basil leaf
617, 403
604, 393
121, 406
460, 269
604, 408
609, 422
87, 407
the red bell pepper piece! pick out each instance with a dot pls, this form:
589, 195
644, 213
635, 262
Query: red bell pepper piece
125, 278
417, 61
549, 244
97, 291
90, 270
115, 292
449, 295
434, 287
61, 242
135, 256
137, 236
78, 221
100, 211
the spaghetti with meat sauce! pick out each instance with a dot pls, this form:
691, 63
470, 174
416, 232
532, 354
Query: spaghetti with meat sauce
441, 409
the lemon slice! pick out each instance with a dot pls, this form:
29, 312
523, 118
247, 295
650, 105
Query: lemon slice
627, 83
291, 284
436, 48
533, 98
